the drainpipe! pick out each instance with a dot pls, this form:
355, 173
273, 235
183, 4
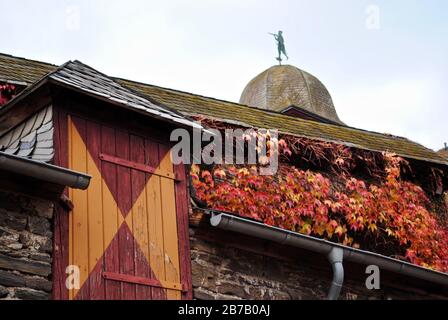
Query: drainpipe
334, 254
335, 257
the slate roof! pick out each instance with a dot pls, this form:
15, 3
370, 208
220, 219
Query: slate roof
33, 138
82, 77
191, 104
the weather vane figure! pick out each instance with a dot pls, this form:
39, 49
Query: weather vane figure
280, 46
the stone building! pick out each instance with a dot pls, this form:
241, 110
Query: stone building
89, 184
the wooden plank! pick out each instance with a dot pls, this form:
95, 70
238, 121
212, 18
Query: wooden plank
70, 196
140, 217
169, 224
126, 245
141, 281
154, 212
60, 246
182, 201
95, 212
140, 166
110, 214
80, 232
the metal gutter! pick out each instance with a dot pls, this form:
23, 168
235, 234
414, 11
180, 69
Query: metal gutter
44, 171
335, 252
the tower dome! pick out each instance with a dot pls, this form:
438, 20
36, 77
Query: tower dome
283, 86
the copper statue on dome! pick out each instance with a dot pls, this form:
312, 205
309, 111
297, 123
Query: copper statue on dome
280, 46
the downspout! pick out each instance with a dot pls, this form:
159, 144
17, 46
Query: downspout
334, 254
335, 257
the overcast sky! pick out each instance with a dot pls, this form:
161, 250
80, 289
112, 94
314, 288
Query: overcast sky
383, 61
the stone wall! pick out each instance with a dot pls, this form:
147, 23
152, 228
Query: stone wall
25, 247
227, 265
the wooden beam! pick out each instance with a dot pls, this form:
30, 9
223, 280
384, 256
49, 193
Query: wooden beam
138, 166
143, 281
66, 203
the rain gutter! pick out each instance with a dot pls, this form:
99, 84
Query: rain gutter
43, 171
335, 253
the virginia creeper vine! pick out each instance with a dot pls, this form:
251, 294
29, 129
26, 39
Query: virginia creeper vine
380, 212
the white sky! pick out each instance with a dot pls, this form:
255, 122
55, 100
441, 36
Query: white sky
389, 79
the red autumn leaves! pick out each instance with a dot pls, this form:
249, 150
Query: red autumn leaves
393, 217
7, 92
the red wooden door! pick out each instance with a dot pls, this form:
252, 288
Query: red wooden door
124, 229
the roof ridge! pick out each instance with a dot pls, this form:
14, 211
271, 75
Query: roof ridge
186, 92
29, 88
78, 63
222, 100
130, 90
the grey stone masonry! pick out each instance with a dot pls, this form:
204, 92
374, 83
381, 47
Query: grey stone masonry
26, 244
226, 265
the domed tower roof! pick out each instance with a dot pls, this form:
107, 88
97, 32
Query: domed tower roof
280, 87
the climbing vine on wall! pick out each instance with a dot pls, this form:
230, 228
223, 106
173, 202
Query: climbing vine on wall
7, 92
383, 213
